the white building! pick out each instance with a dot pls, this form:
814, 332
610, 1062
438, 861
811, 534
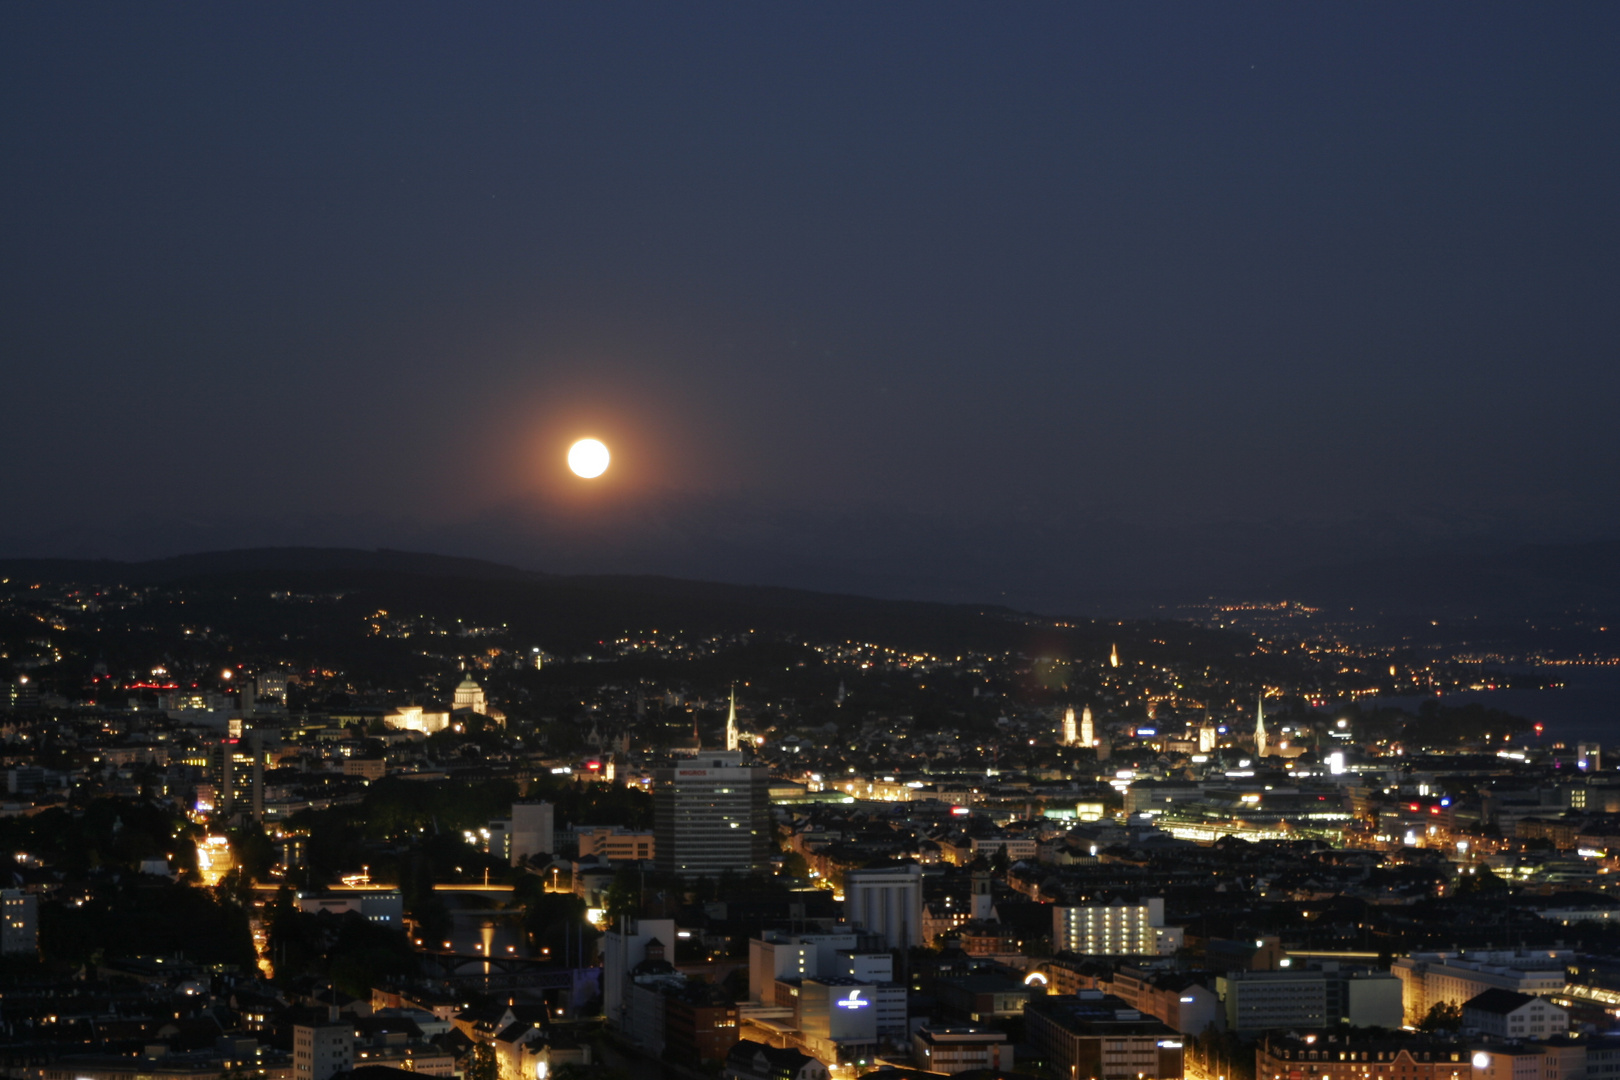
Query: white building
319, 1050
1509, 1015
775, 955
842, 1020
1177, 999
417, 718
1429, 979
468, 698
1115, 929
886, 901
623, 948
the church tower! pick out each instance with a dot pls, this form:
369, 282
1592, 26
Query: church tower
731, 723
1071, 733
1088, 730
1260, 727
983, 899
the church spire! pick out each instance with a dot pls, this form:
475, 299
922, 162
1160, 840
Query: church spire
1260, 726
731, 721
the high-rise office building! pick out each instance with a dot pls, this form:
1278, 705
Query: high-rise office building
238, 773
886, 901
711, 815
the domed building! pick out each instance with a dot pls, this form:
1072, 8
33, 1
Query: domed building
469, 695
468, 698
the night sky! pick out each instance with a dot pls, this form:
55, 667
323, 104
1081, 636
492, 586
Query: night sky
990, 301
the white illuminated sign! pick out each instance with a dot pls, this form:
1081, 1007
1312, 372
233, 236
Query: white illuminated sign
854, 1001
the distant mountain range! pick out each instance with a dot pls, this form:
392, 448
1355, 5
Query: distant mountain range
1529, 580
235, 589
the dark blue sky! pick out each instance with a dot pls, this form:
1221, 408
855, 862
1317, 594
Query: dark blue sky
930, 299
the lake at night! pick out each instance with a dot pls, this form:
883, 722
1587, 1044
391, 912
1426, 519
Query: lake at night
1585, 709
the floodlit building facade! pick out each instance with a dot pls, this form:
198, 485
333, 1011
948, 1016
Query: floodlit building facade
1121, 928
1430, 979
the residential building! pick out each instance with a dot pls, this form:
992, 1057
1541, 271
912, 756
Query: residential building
320, 1050
1506, 1014
958, 1049
1430, 979
1179, 999
1311, 1056
1092, 1036
1552, 1060
19, 923
700, 1023
750, 1060
615, 844
1118, 928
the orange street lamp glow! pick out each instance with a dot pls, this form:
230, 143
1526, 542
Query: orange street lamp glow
588, 458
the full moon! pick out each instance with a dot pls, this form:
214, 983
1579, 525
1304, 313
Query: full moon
588, 458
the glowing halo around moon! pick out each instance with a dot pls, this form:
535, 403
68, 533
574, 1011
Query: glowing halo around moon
588, 458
